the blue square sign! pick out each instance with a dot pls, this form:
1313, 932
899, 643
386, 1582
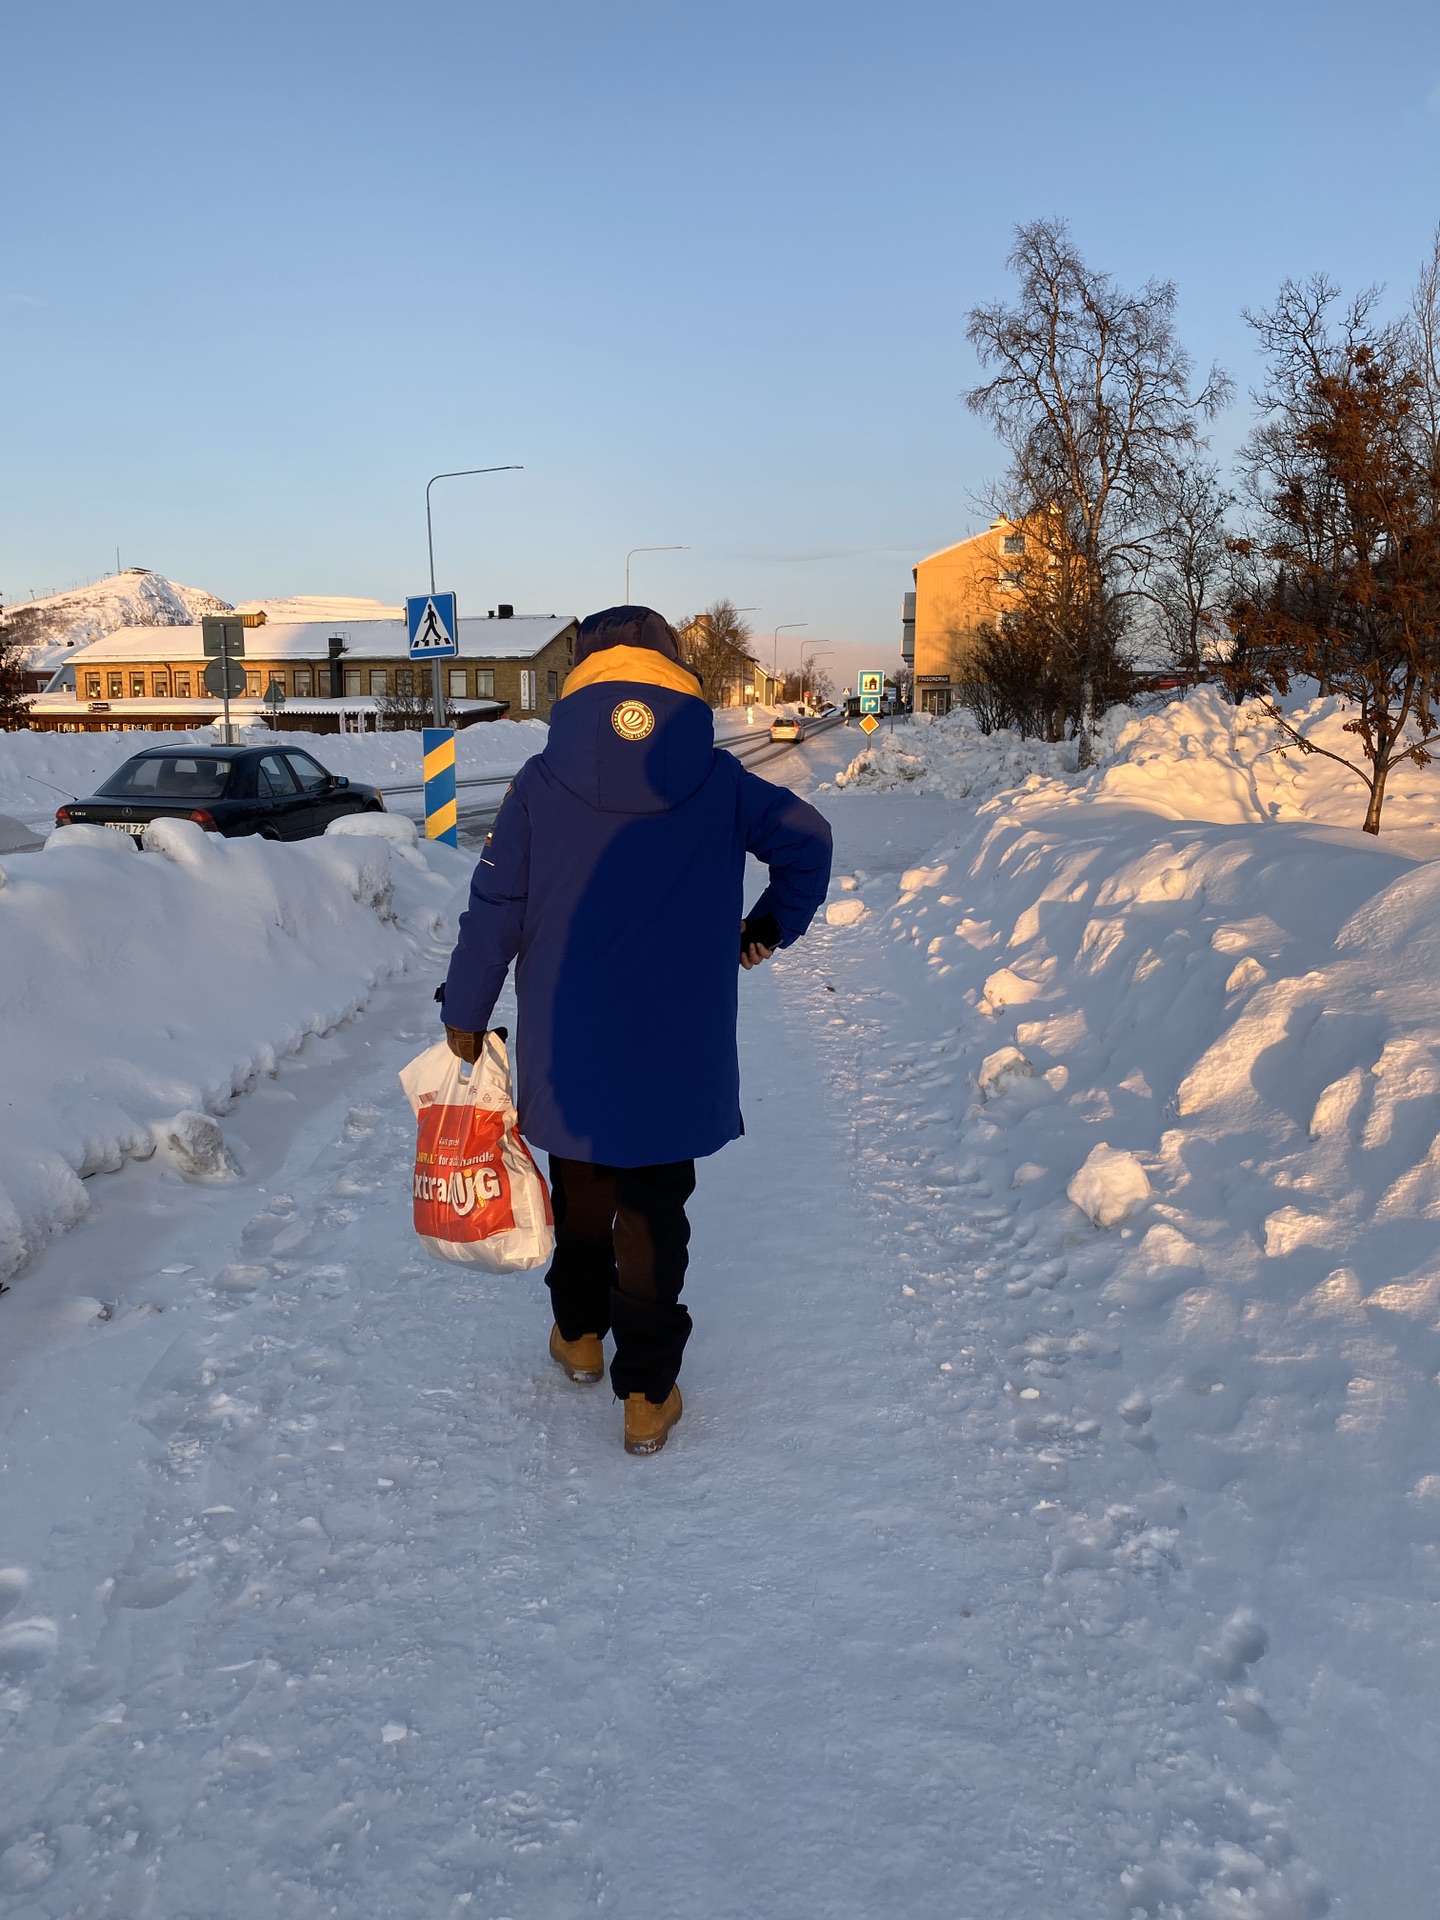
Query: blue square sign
433, 626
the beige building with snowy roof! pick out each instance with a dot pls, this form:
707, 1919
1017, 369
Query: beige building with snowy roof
327, 665
958, 591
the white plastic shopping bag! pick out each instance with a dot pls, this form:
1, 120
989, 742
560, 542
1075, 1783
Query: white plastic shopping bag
480, 1199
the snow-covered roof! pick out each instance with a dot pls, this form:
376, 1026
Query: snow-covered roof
520, 638
302, 607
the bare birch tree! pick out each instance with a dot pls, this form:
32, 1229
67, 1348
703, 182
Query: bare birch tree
1090, 391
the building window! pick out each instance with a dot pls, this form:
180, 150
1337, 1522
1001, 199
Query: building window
379, 682
160, 685
485, 683
1013, 543
137, 686
405, 682
116, 683
252, 686
92, 686
1010, 581
304, 682
552, 684
457, 683
527, 690
352, 679
182, 686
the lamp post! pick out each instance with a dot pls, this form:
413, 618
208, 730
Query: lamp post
634, 550
783, 627
437, 691
817, 648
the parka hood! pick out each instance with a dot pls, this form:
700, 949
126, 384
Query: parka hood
631, 734
625, 627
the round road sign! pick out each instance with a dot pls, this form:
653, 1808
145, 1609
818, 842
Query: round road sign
224, 676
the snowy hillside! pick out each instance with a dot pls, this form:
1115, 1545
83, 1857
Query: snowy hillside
135, 598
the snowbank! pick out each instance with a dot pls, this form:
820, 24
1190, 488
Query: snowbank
144, 988
1223, 1180
952, 757
39, 771
1198, 758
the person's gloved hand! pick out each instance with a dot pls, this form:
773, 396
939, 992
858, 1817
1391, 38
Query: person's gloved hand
467, 1046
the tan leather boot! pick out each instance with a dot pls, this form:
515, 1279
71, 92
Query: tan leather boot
646, 1425
582, 1359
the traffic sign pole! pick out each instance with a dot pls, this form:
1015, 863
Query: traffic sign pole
224, 641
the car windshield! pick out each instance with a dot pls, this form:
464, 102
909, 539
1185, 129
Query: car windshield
169, 776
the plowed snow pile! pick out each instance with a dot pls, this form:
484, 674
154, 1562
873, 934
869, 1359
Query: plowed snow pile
143, 989
1192, 1033
1200, 758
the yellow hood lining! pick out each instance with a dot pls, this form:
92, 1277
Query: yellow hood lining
640, 664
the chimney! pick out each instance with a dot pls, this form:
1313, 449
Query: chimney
505, 611
337, 671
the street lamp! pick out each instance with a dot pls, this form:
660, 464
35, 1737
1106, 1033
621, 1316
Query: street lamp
634, 550
437, 691
817, 648
775, 644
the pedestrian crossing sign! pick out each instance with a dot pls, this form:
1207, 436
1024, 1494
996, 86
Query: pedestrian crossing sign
433, 627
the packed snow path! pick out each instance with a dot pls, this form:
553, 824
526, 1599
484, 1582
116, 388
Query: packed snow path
329, 1595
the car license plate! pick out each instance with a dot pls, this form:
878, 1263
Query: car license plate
137, 827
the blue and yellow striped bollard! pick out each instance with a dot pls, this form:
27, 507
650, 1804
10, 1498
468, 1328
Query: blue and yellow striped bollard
438, 746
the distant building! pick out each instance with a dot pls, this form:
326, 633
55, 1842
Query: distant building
336, 662
957, 591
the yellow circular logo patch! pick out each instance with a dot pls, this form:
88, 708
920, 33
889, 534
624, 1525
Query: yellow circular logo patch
632, 720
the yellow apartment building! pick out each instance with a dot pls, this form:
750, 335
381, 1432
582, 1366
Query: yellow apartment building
957, 591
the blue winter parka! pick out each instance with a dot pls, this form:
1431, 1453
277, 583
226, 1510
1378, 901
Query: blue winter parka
613, 877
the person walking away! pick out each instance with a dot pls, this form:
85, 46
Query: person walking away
613, 878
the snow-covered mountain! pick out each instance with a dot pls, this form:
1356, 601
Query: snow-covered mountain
47, 628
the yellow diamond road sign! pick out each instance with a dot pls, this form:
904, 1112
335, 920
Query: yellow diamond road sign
869, 723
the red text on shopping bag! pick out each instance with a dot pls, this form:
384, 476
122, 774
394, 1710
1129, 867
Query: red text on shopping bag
462, 1185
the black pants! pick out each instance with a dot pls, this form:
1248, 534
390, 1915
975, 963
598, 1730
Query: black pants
622, 1244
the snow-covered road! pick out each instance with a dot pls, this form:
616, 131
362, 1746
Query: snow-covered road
326, 1593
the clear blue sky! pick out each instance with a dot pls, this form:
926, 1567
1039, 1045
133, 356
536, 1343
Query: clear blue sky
703, 269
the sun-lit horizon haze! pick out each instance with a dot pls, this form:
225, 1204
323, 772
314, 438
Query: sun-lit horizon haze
702, 273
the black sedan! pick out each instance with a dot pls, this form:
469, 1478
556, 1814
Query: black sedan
281, 793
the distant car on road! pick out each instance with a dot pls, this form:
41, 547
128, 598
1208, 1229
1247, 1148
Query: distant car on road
787, 727
281, 793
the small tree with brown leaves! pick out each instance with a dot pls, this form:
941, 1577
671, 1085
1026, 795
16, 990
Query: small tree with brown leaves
1343, 565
